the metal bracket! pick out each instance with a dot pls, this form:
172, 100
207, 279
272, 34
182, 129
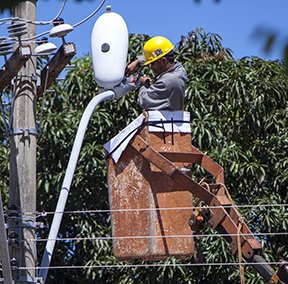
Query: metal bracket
13, 211
29, 279
26, 223
22, 222
23, 131
13, 239
30, 224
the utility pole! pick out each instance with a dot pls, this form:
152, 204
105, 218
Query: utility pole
22, 187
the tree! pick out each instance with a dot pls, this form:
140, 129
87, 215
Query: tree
8, 4
238, 119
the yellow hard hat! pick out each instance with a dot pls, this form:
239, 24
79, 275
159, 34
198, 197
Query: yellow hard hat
156, 47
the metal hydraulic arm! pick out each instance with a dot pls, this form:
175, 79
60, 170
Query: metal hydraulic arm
224, 216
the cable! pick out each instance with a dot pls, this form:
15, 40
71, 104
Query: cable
74, 26
44, 213
152, 265
60, 11
154, 237
91, 15
36, 36
12, 104
9, 20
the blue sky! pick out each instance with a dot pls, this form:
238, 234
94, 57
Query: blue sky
234, 20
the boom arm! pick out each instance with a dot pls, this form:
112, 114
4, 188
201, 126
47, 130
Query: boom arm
225, 218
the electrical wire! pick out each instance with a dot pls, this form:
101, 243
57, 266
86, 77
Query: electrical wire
33, 65
44, 213
12, 106
60, 11
8, 20
74, 26
91, 15
155, 237
152, 265
2, 21
11, 19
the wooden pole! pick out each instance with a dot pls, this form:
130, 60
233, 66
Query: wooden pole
22, 191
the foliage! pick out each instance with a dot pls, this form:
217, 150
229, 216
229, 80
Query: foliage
239, 111
8, 4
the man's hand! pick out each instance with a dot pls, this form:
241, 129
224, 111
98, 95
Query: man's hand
145, 81
142, 81
139, 61
131, 67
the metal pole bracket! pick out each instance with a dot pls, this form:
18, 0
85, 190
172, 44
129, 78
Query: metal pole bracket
24, 131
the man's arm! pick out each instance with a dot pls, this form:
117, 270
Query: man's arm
131, 67
156, 96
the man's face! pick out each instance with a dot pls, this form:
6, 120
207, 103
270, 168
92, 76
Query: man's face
158, 66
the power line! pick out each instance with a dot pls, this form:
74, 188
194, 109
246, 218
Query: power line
93, 211
11, 19
74, 26
156, 237
90, 16
30, 39
153, 265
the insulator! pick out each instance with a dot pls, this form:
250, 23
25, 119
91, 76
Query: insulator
17, 29
42, 40
13, 239
5, 46
58, 21
13, 211
14, 264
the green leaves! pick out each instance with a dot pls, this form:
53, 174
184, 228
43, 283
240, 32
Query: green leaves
238, 117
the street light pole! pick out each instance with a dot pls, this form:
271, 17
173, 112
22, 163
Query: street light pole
115, 94
108, 95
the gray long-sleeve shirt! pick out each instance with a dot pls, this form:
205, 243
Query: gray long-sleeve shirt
168, 91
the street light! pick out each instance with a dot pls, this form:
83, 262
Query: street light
115, 85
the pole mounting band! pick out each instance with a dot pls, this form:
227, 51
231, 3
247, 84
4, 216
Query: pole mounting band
23, 131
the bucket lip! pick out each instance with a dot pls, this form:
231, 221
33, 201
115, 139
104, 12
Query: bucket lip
168, 115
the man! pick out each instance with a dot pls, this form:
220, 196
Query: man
168, 90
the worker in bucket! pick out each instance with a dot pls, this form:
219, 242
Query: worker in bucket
167, 90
